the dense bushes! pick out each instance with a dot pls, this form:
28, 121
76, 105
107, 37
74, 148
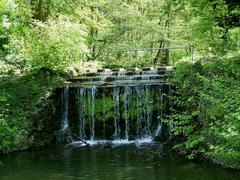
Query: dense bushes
47, 36
54, 45
206, 113
20, 99
27, 43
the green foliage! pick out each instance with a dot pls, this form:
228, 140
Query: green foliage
205, 115
53, 34
49, 35
19, 98
54, 44
4, 96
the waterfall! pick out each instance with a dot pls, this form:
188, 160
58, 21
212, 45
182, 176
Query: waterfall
89, 109
93, 92
139, 109
125, 107
159, 126
81, 101
116, 113
158, 130
64, 123
149, 107
104, 113
127, 94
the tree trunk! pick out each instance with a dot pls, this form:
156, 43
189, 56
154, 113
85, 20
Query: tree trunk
162, 56
41, 9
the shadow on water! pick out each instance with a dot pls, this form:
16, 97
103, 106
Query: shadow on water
130, 161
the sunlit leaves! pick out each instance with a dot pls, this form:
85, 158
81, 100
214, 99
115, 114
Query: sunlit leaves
206, 115
53, 44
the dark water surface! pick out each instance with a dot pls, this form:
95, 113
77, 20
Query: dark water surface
107, 162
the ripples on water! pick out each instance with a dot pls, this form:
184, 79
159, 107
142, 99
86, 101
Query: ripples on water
107, 160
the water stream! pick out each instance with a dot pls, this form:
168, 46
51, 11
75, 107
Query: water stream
65, 96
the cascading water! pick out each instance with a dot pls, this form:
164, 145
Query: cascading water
159, 127
82, 119
65, 95
116, 113
93, 92
104, 113
121, 107
127, 95
139, 91
148, 110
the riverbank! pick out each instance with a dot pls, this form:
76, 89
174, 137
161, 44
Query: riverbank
27, 111
204, 123
24, 110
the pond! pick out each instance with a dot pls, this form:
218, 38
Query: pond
103, 162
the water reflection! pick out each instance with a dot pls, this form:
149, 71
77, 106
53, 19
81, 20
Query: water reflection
107, 162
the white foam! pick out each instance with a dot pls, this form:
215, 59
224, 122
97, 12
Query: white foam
145, 140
